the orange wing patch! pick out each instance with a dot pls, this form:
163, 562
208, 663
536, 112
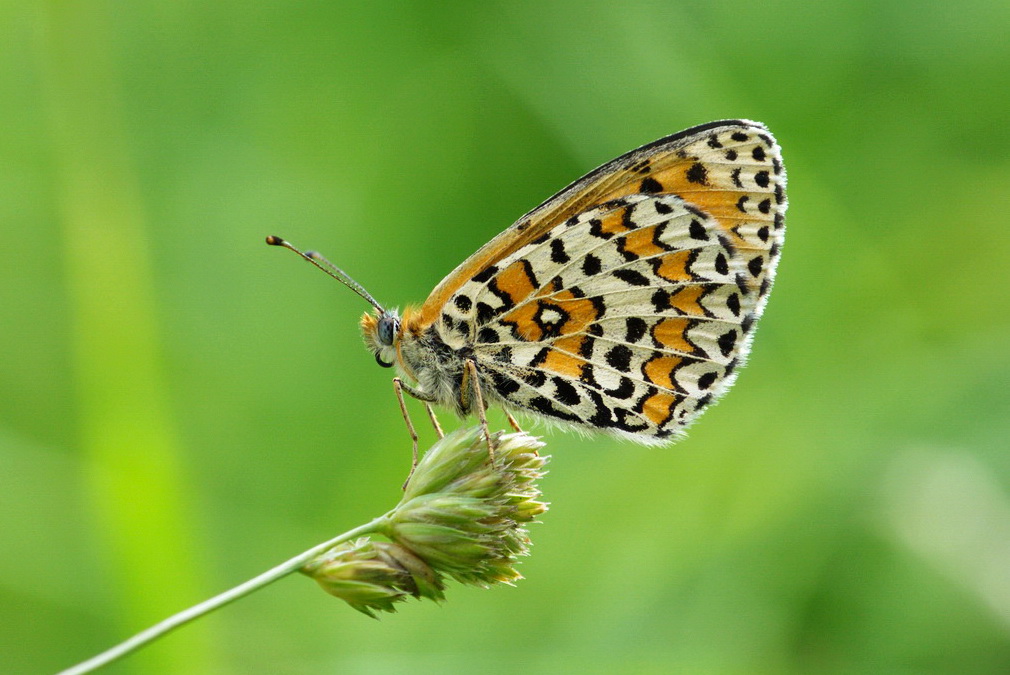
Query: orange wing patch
659, 370
517, 280
611, 224
672, 334
687, 300
642, 243
673, 266
658, 408
561, 358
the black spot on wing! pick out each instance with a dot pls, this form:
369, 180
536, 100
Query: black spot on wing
622, 248
588, 377
747, 323
545, 406
535, 378
636, 328
602, 416
697, 174
485, 313
736, 177
642, 167
565, 392
619, 358
628, 421
591, 265
504, 385
650, 185
721, 264
485, 274
733, 302
530, 274
539, 358
558, 254
741, 283
623, 390
697, 231
694, 211
632, 277
658, 233
661, 300
707, 379
726, 342
596, 229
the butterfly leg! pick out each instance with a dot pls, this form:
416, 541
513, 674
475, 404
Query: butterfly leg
399, 387
512, 422
471, 368
434, 420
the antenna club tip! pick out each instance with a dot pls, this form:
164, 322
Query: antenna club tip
275, 241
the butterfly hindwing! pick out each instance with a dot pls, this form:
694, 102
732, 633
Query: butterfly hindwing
629, 317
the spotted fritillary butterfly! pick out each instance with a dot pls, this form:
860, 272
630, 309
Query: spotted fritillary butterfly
625, 303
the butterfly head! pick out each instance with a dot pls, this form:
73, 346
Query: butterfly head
381, 332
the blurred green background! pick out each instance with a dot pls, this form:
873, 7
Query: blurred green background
182, 407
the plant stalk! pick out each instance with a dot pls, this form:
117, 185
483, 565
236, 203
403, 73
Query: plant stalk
207, 606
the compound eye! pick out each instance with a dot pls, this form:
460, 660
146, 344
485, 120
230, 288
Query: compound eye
378, 359
386, 328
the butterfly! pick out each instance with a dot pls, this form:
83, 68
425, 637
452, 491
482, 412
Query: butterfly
626, 303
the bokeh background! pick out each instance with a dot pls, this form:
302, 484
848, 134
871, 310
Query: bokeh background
182, 407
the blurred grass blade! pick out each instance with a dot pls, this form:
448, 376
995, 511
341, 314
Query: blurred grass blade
127, 439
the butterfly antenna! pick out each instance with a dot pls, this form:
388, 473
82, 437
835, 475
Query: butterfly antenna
325, 265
